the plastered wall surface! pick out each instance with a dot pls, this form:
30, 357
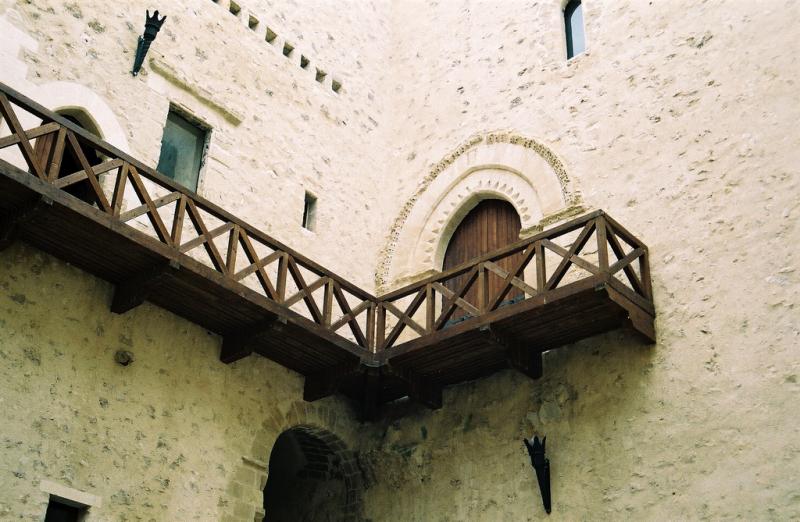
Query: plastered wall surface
679, 120
175, 435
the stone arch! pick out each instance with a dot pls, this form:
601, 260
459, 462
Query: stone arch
501, 165
329, 422
323, 459
73, 98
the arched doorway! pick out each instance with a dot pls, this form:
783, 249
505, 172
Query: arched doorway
491, 225
312, 478
46, 146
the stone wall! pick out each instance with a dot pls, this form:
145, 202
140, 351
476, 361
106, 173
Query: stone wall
174, 435
679, 120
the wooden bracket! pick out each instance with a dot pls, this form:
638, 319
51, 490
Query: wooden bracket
326, 383
371, 397
238, 345
11, 222
421, 389
523, 359
134, 291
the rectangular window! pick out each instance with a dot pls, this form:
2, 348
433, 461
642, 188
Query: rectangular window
61, 511
182, 148
310, 212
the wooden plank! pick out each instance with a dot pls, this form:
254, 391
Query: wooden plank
241, 343
31, 134
616, 247
568, 257
11, 222
24, 144
355, 328
134, 291
328, 382
144, 209
84, 163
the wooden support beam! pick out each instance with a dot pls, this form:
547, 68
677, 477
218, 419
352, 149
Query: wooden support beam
371, 401
241, 343
425, 391
421, 389
134, 291
525, 359
328, 382
11, 222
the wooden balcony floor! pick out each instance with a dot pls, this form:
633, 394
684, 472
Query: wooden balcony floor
79, 234
296, 312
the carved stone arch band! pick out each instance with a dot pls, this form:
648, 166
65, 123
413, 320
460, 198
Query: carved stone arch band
504, 166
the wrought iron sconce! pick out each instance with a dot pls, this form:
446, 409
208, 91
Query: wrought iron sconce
541, 464
151, 27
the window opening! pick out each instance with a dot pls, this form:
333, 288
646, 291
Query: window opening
573, 23
271, 35
287, 49
235, 9
310, 212
304, 61
63, 511
182, 149
321, 75
336, 86
252, 22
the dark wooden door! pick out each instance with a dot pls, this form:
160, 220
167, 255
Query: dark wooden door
491, 225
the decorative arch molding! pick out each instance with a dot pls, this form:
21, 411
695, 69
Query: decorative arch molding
501, 165
328, 423
73, 97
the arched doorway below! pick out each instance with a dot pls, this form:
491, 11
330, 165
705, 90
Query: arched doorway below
491, 225
312, 478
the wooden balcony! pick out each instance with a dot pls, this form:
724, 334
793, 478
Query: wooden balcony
154, 240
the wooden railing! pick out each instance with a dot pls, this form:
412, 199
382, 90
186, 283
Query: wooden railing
136, 196
594, 245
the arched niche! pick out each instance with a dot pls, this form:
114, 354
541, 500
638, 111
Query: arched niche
310, 477
519, 170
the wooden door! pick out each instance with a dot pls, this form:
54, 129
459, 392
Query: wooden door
491, 225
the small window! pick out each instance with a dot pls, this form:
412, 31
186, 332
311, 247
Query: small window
573, 23
310, 212
182, 149
63, 511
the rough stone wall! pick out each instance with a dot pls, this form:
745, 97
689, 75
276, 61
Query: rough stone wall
174, 435
680, 121
276, 131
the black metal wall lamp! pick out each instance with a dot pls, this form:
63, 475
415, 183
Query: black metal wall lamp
541, 464
152, 25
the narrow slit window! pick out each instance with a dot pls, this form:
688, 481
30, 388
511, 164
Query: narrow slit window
271, 35
310, 212
573, 23
182, 150
63, 511
288, 49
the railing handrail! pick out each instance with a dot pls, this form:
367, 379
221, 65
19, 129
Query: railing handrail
165, 182
372, 307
